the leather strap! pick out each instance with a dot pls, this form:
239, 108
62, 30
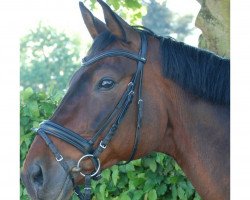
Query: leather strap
144, 46
67, 135
112, 53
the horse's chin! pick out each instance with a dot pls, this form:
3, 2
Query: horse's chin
66, 192
61, 191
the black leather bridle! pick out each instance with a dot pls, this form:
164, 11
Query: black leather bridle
87, 146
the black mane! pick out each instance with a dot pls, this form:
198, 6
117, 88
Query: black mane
197, 71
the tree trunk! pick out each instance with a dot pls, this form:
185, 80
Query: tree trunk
214, 21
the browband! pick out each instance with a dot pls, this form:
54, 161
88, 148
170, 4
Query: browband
112, 53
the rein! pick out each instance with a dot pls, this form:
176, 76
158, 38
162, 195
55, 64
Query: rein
87, 146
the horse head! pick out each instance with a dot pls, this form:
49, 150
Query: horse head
97, 98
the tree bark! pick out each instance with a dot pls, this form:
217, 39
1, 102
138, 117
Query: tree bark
214, 22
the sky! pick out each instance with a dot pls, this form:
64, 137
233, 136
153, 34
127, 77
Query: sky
65, 15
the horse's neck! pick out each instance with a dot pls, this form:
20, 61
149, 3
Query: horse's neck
202, 142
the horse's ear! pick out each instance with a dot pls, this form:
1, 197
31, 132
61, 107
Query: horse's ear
117, 25
94, 25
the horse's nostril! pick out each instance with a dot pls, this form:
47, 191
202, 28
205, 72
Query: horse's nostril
37, 175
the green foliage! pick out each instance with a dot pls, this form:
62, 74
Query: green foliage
48, 57
131, 10
34, 108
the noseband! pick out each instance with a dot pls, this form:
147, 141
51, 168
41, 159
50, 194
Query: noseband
87, 146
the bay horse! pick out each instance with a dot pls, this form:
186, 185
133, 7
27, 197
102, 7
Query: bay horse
135, 93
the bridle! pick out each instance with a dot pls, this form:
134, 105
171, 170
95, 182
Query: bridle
87, 146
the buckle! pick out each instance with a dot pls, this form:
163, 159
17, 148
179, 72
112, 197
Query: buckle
130, 84
131, 93
60, 158
102, 145
140, 101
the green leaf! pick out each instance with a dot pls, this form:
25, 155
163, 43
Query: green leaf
148, 186
153, 166
130, 167
132, 4
27, 142
26, 111
124, 196
106, 174
131, 175
75, 197
174, 192
152, 195
159, 158
33, 108
48, 108
177, 167
115, 175
173, 179
137, 194
181, 193
102, 190
25, 137
25, 191
42, 95
35, 124
27, 93
197, 197
24, 121
137, 162
141, 175
161, 189
21, 130
58, 96
138, 181
148, 161
114, 3
131, 185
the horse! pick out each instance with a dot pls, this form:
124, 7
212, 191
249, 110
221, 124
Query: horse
135, 93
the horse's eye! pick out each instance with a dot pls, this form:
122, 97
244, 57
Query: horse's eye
106, 83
